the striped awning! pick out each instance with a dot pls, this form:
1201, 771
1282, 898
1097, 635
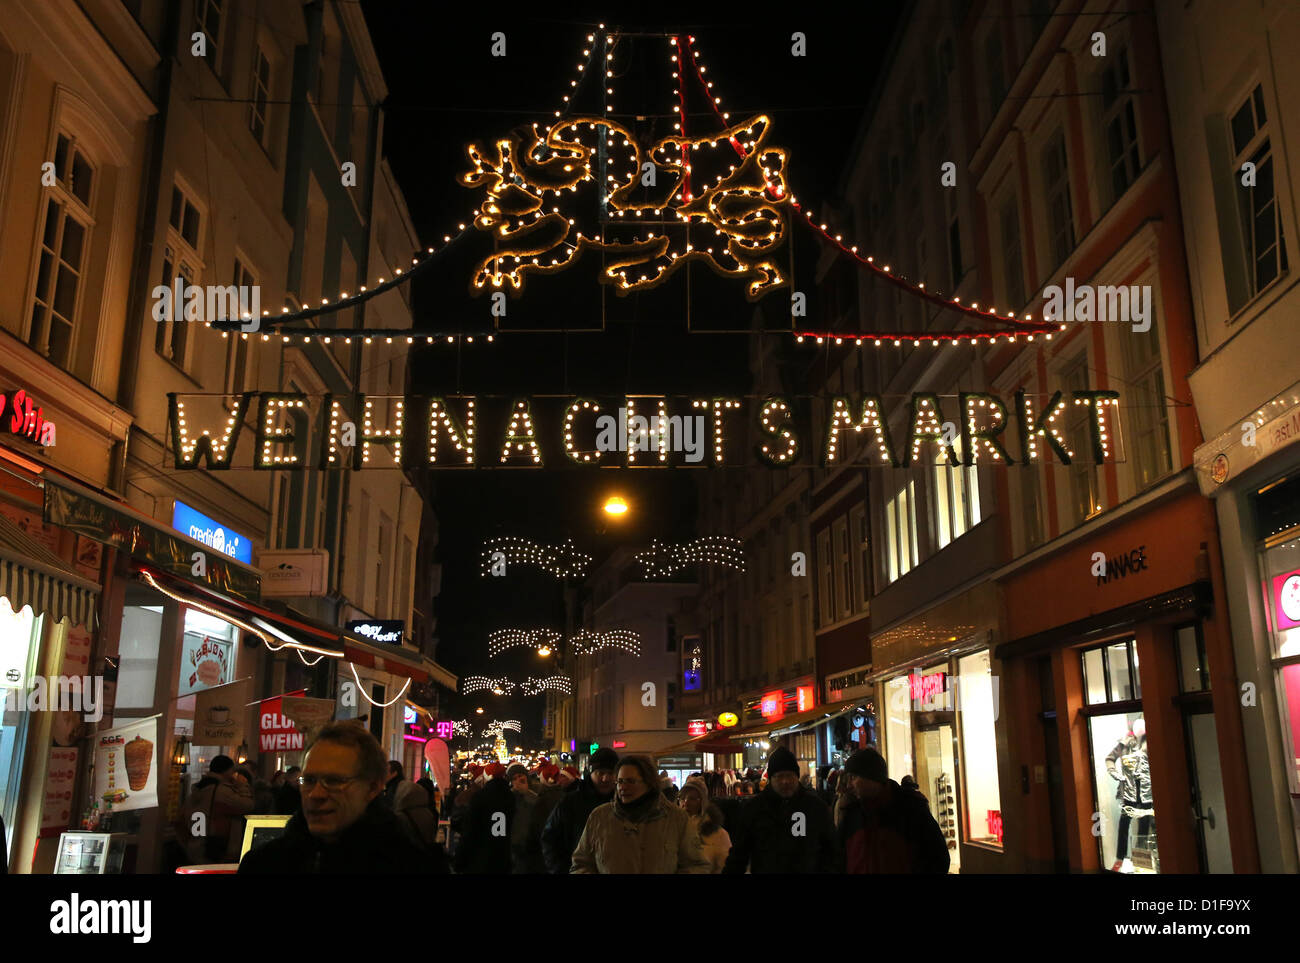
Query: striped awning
31, 574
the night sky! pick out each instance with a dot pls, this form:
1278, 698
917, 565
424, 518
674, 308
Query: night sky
445, 89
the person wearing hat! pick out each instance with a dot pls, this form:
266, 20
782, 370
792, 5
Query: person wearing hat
706, 818
569, 817
640, 831
485, 845
785, 828
886, 828
569, 778
526, 831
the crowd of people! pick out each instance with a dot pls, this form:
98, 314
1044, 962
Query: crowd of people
353, 811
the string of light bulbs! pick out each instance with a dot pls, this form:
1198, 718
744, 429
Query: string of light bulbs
539, 639
365, 695
481, 683
661, 560
555, 683
563, 560
588, 641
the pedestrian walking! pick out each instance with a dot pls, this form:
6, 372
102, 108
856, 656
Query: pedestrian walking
706, 818
343, 828
785, 828
639, 832
886, 828
564, 826
526, 830
484, 847
223, 798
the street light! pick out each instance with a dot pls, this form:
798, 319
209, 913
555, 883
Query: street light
479, 710
615, 505
544, 651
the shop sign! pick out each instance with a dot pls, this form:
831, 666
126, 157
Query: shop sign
125, 774
219, 714
275, 733
846, 685
805, 697
696, 727
444, 728
379, 630
294, 573
1120, 566
926, 687
1286, 600
728, 719
772, 706
620, 744
211, 533
21, 416
409, 716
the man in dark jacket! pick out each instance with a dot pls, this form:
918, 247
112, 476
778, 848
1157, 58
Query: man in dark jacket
343, 827
888, 829
485, 844
785, 828
569, 817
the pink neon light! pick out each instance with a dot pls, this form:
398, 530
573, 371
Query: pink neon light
415, 738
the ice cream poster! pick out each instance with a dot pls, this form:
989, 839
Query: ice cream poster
220, 714
126, 766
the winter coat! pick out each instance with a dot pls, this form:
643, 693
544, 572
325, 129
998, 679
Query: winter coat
1128, 765
373, 845
414, 815
895, 835
526, 835
763, 838
223, 805
288, 799
662, 841
565, 824
481, 850
716, 844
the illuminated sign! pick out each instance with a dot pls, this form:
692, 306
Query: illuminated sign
772, 706
409, 715
728, 719
1286, 599
925, 687
619, 744
805, 697
696, 727
594, 747
212, 533
444, 728
379, 630
995, 824
26, 419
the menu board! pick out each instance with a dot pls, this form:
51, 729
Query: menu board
56, 811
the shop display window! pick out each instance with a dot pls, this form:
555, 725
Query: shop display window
898, 728
20, 634
1278, 520
138, 654
978, 708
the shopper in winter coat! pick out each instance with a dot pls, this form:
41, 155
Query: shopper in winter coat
785, 828
417, 820
706, 818
223, 802
565, 824
481, 850
640, 831
526, 830
888, 829
343, 828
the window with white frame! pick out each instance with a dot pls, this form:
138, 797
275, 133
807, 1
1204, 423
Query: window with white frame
861, 536
260, 95
1012, 255
1060, 212
1119, 122
171, 339
844, 568
1146, 407
64, 249
900, 532
825, 578
207, 20
956, 497
1263, 248
237, 359
1085, 483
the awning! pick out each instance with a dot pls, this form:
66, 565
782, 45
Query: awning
30, 574
714, 742
798, 722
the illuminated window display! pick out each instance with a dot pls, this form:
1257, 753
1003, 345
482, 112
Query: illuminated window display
978, 709
20, 634
898, 728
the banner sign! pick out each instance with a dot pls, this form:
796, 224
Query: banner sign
203, 529
220, 713
126, 771
275, 733
145, 543
308, 716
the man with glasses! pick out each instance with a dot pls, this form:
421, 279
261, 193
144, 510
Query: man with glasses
343, 827
569, 817
640, 831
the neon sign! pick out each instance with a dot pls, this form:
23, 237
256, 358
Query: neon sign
696, 727
805, 698
772, 706
26, 418
925, 687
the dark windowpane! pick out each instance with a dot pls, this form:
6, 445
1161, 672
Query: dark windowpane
178, 202
60, 341
52, 211
61, 157
1260, 117
81, 178
190, 230
954, 251
1243, 128
74, 236
65, 292
43, 274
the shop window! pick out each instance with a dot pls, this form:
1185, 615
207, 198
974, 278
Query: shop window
898, 728
1125, 806
138, 656
1277, 514
1193, 668
1111, 673
207, 653
978, 707
20, 636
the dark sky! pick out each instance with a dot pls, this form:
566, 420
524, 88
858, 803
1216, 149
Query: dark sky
446, 89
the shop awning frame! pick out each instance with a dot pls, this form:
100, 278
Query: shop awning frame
798, 722
32, 575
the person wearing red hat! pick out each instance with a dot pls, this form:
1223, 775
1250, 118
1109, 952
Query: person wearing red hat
485, 845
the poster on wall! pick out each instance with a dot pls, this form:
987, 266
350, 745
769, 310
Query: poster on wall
220, 714
90, 555
56, 810
34, 527
126, 775
76, 651
206, 662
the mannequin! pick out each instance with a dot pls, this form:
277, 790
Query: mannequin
1128, 765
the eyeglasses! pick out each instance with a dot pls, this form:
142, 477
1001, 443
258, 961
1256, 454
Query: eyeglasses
331, 783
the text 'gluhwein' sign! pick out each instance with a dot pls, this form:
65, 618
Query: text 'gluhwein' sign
276, 732
294, 431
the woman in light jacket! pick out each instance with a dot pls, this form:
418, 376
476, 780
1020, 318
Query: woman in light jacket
706, 818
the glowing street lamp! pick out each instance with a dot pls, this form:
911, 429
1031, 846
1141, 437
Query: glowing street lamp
615, 506
479, 710
544, 651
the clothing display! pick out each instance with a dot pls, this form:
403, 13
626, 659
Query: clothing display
945, 812
1130, 767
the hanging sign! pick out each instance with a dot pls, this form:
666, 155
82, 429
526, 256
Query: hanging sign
728, 719
126, 774
219, 714
199, 527
697, 727
308, 716
205, 663
275, 732
379, 630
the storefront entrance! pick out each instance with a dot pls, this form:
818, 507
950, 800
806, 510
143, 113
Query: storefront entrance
936, 776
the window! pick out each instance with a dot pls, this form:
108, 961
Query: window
1013, 257
825, 581
382, 576
900, 532
1262, 244
1119, 120
1147, 409
282, 510
996, 70
1056, 188
1031, 504
1085, 484
978, 702
260, 95
171, 339
862, 543
237, 362
898, 728
185, 218
956, 497
844, 569
207, 20
954, 245
65, 240
20, 640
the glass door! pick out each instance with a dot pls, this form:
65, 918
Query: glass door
936, 777
1207, 792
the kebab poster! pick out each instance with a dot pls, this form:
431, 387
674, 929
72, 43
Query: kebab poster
125, 774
